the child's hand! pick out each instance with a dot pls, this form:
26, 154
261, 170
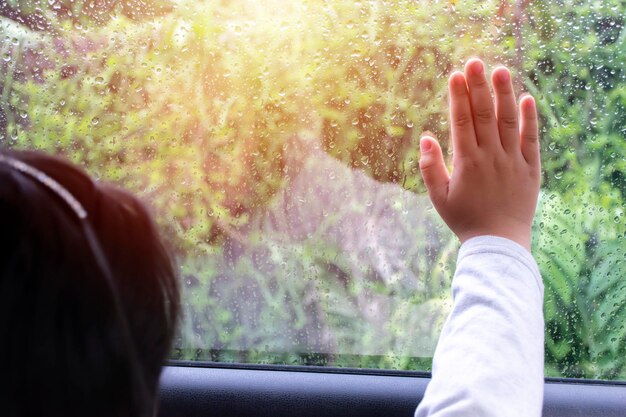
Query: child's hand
495, 180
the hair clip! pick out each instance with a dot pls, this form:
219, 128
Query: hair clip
48, 182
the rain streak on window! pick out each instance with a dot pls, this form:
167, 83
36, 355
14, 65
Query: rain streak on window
277, 143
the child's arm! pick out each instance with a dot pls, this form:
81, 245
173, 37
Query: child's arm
489, 359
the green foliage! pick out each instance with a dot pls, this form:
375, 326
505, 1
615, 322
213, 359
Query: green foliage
607, 292
48, 14
576, 68
225, 122
382, 79
581, 258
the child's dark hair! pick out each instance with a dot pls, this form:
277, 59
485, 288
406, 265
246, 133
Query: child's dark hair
74, 343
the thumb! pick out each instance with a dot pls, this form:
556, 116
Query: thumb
434, 171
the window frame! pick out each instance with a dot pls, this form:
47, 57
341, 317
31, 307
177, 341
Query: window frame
224, 389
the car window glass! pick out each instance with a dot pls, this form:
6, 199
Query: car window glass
277, 143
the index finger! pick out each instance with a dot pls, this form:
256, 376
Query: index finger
461, 121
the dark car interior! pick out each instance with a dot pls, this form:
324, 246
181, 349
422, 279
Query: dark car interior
217, 390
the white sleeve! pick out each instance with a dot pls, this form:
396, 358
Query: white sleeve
489, 358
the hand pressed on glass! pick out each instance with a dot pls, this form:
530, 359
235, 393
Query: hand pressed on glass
495, 179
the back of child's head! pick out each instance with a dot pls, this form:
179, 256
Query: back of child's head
73, 342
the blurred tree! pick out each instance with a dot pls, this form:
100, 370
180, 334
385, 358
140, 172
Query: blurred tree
43, 15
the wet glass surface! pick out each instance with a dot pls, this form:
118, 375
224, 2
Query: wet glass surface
277, 143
